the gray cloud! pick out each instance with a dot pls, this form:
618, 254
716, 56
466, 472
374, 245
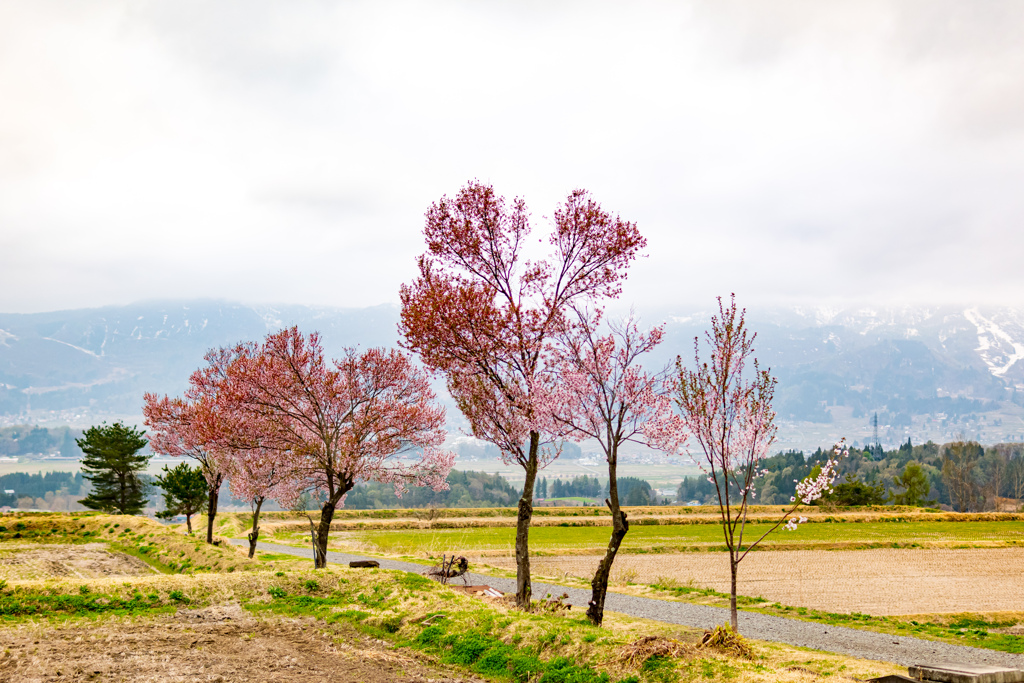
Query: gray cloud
788, 151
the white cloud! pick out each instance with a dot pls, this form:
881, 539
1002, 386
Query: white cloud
793, 151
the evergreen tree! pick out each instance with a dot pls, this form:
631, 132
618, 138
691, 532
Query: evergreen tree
114, 467
915, 484
185, 492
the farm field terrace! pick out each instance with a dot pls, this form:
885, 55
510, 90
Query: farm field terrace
220, 616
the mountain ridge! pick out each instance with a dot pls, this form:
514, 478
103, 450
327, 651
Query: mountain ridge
903, 362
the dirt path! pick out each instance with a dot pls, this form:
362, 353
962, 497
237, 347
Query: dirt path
217, 644
881, 582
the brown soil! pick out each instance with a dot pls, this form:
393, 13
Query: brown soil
880, 581
32, 562
214, 644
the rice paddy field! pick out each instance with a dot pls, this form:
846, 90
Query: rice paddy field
664, 538
880, 562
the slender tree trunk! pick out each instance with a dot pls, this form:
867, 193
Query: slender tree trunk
524, 590
599, 586
255, 533
211, 509
733, 615
323, 531
188, 522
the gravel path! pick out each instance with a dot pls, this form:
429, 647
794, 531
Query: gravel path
854, 642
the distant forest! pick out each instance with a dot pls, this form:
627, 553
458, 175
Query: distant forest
465, 489
57, 491
964, 476
27, 440
632, 491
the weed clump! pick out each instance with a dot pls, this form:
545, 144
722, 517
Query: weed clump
724, 639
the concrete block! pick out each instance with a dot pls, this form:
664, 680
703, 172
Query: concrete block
948, 672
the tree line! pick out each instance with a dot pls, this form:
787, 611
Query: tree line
31, 440
963, 475
465, 490
632, 490
57, 491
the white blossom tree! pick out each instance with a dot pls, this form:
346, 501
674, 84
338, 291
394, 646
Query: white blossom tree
731, 419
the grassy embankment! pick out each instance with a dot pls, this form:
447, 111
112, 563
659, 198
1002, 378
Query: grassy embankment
407, 610
164, 548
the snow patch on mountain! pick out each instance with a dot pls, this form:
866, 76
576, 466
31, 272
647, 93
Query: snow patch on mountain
5, 335
996, 347
78, 348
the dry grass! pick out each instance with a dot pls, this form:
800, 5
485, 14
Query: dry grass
633, 655
724, 639
166, 548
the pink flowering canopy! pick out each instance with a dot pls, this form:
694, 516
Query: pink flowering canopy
177, 428
327, 424
597, 389
730, 417
481, 313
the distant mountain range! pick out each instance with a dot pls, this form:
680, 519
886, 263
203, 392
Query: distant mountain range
102, 360
75, 366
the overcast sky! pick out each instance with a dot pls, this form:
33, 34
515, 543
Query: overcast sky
285, 151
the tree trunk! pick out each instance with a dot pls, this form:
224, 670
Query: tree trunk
733, 615
188, 522
599, 586
255, 533
523, 589
323, 530
211, 510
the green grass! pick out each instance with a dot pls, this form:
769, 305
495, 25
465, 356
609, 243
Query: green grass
481, 649
16, 604
684, 537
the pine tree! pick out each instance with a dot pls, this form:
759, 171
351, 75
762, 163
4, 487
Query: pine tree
114, 467
185, 492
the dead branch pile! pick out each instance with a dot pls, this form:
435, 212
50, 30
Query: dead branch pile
639, 651
449, 568
555, 605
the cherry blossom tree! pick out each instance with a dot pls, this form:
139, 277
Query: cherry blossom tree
330, 424
732, 420
480, 313
256, 475
180, 428
604, 394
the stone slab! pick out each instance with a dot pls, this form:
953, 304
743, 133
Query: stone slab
949, 672
364, 564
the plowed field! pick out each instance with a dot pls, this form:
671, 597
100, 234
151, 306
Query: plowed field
884, 581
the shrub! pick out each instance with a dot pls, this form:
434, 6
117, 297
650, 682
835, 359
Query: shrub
178, 596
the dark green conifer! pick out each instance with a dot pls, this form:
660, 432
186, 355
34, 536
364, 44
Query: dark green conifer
114, 467
185, 492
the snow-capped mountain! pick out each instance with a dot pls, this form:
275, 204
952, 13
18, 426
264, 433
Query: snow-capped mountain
102, 360
902, 362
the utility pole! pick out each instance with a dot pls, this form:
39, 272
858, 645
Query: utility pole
876, 445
